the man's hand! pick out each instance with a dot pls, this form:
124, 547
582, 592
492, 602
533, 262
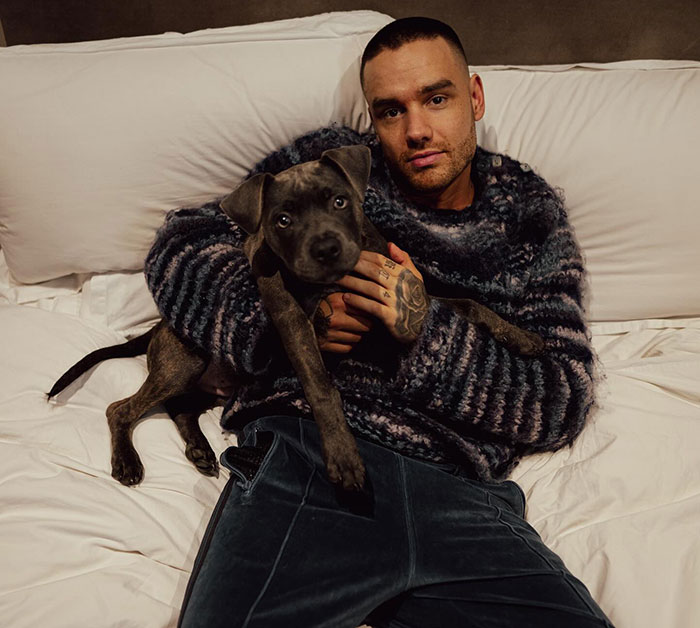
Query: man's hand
338, 326
393, 292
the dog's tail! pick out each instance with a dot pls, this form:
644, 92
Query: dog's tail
129, 349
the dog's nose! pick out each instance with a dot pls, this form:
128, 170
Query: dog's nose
326, 249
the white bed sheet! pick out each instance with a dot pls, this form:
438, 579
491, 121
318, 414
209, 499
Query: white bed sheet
78, 549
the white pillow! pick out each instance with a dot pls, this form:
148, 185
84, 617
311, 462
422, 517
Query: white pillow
99, 139
621, 140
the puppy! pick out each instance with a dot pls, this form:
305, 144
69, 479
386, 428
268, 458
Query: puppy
306, 229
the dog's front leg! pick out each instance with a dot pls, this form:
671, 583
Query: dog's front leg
339, 448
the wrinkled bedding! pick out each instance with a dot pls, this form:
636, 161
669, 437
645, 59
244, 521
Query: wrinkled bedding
78, 549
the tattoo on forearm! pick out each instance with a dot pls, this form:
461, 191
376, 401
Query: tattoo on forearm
411, 306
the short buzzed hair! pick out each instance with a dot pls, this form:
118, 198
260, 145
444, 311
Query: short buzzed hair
408, 29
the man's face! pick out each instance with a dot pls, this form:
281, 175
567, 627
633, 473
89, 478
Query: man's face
423, 106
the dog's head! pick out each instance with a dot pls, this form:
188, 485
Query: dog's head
310, 215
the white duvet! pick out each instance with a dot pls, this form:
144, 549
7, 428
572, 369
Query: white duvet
78, 549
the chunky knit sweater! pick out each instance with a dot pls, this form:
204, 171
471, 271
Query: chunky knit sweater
455, 394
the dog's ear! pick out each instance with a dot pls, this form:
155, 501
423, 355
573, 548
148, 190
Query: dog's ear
354, 162
244, 204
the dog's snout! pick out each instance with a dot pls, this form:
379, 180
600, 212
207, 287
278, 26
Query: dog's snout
326, 248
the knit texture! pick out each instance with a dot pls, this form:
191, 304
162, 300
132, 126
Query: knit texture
455, 395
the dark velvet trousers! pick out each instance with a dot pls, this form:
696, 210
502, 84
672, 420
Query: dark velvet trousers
423, 547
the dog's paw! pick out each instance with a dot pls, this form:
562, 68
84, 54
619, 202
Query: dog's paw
345, 467
127, 469
204, 459
520, 341
531, 344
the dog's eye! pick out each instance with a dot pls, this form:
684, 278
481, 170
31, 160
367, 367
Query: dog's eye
340, 202
283, 221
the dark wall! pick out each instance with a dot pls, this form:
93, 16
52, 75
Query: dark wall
522, 31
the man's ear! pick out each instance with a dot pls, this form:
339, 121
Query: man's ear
354, 162
476, 93
244, 204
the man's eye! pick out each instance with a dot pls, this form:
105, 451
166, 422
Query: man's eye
283, 221
391, 113
438, 100
340, 202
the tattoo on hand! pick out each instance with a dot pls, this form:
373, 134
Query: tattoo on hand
390, 264
411, 306
322, 322
383, 274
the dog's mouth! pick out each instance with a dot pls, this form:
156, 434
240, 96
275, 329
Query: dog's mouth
323, 275
323, 271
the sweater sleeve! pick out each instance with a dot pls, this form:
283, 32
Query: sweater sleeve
201, 282
457, 373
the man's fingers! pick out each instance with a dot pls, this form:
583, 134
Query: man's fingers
397, 254
346, 325
359, 317
363, 286
369, 306
346, 318
384, 270
342, 315
334, 347
342, 337
380, 269
403, 258
354, 324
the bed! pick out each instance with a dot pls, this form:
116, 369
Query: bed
99, 138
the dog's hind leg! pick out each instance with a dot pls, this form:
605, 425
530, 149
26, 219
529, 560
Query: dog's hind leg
174, 370
515, 339
185, 411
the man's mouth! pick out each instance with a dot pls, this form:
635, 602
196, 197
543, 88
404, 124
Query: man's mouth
426, 158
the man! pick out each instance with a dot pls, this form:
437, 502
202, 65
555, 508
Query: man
442, 411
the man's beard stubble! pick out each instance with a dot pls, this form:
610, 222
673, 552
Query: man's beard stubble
434, 179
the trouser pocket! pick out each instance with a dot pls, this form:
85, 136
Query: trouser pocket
245, 461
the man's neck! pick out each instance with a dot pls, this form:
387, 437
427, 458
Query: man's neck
457, 195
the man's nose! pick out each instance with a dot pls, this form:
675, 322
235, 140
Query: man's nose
418, 129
